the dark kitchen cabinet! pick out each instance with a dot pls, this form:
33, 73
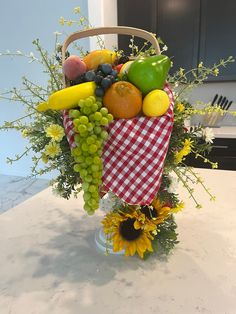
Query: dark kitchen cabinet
217, 35
178, 26
140, 14
193, 30
223, 152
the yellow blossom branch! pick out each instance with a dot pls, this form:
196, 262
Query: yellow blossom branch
190, 191
200, 180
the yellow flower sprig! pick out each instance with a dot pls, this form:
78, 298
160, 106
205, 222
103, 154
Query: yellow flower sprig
214, 165
180, 107
186, 81
208, 109
201, 182
83, 22
190, 190
184, 177
187, 147
63, 21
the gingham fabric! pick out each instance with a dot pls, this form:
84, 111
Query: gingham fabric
134, 155
68, 126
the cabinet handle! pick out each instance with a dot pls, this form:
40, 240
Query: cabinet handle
220, 146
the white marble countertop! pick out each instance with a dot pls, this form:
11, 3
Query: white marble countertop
15, 190
225, 132
49, 263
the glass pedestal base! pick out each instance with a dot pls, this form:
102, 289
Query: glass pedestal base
103, 245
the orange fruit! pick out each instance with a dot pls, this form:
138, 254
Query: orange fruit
123, 100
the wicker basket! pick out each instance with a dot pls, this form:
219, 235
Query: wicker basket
135, 151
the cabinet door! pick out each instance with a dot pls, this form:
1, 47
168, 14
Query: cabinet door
178, 26
223, 152
217, 35
193, 30
140, 14
176, 22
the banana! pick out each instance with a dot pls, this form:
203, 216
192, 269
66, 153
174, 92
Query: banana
68, 97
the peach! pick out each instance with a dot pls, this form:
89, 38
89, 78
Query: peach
73, 67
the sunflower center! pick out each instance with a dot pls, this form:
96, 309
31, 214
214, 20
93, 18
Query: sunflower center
149, 212
127, 230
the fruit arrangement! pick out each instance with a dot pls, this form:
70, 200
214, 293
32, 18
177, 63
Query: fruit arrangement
138, 85
113, 129
102, 88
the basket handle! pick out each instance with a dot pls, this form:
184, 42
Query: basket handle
122, 30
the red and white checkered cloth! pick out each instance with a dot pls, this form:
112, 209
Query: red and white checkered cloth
134, 154
69, 128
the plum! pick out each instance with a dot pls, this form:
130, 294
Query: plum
73, 67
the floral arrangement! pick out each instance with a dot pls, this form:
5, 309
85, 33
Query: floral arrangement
72, 130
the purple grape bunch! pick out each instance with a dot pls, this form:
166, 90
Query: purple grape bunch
104, 77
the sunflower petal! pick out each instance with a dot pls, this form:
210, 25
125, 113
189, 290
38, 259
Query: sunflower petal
127, 251
140, 252
137, 225
132, 248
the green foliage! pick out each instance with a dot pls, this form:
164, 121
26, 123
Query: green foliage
166, 238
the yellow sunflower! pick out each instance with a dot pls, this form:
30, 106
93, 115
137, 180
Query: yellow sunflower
129, 232
157, 212
160, 211
178, 207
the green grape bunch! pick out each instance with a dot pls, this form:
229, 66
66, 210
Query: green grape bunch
90, 120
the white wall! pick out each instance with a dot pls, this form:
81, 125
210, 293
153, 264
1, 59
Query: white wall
20, 23
103, 13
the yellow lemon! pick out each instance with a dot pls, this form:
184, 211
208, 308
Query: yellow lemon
125, 68
155, 103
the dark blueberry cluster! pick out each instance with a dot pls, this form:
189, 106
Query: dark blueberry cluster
104, 77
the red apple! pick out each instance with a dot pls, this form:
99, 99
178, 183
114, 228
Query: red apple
73, 67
